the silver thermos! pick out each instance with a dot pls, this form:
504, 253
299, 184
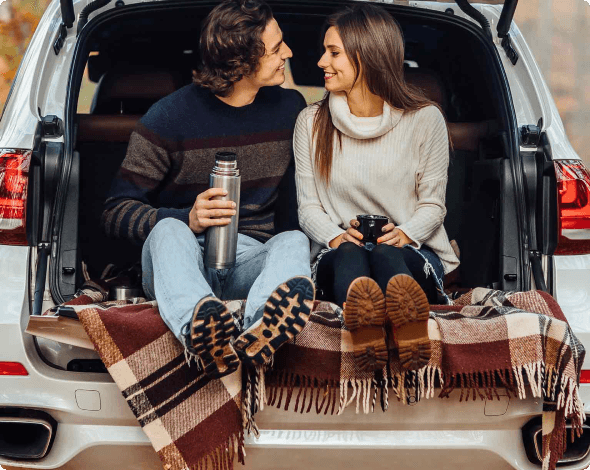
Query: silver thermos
221, 242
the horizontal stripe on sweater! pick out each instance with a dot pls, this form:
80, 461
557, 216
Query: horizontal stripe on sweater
172, 152
172, 146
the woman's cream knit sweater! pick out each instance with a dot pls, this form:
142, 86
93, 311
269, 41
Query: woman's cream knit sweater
394, 164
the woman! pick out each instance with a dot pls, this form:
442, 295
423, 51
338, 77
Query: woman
374, 145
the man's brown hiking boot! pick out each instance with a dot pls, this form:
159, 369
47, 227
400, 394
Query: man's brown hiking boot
408, 309
285, 314
364, 316
212, 330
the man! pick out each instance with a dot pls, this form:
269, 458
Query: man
161, 195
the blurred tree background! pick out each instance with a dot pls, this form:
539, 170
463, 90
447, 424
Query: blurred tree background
18, 20
557, 31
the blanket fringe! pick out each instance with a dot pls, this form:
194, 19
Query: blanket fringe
485, 384
542, 383
554, 443
415, 384
259, 388
361, 394
545, 383
191, 357
251, 399
222, 458
314, 393
410, 386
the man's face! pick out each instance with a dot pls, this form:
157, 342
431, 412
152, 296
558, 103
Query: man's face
271, 68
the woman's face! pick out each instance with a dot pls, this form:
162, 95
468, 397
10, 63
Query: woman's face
339, 73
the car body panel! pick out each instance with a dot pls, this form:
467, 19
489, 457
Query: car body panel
13, 288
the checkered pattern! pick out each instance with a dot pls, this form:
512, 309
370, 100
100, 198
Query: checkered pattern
192, 422
487, 340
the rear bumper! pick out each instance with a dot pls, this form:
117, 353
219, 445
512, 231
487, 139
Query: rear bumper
100, 447
432, 434
384, 450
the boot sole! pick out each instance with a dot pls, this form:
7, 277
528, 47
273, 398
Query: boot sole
364, 316
211, 337
285, 314
408, 309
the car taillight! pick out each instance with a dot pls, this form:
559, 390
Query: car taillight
12, 368
14, 176
573, 206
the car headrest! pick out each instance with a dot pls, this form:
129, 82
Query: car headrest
430, 84
464, 135
132, 92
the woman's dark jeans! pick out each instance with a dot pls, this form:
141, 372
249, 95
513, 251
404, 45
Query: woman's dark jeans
338, 268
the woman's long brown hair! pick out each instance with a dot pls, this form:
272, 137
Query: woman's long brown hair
373, 43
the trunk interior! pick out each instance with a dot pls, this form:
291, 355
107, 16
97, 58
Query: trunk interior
132, 56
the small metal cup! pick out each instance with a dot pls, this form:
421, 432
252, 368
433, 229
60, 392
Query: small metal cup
124, 292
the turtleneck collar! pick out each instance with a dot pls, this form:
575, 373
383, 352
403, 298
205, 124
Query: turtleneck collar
361, 127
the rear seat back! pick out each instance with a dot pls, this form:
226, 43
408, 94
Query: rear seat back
429, 83
120, 100
464, 135
132, 91
467, 205
106, 128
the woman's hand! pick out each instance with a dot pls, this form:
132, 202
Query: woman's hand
351, 235
394, 237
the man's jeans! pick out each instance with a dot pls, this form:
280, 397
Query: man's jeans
175, 275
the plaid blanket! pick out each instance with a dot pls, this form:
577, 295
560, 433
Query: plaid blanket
193, 422
485, 341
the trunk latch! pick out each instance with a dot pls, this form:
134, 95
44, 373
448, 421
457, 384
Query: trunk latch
530, 135
52, 126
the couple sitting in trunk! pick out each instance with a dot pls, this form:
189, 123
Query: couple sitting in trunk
372, 145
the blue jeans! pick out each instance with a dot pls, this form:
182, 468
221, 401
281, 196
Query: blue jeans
175, 275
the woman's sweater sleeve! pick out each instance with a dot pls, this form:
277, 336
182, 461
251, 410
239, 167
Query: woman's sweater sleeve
431, 178
314, 220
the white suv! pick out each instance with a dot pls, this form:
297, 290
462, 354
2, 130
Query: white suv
518, 207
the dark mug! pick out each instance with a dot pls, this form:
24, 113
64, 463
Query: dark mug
370, 226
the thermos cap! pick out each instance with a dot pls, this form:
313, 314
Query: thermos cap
226, 156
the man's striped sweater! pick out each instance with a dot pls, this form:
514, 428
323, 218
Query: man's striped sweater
172, 151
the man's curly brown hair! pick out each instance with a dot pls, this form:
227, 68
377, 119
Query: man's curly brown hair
231, 44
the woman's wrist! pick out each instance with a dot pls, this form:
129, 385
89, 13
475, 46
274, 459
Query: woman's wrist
335, 243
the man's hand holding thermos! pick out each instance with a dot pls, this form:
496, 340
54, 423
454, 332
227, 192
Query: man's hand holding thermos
208, 212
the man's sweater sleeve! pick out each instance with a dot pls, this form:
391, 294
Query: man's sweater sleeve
128, 212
